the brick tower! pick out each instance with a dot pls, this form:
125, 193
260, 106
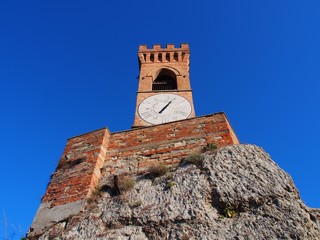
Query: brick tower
165, 131
164, 92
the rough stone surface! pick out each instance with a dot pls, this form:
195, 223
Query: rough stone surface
80, 166
194, 202
47, 216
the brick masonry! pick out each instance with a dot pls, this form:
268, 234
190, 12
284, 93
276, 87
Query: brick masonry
78, 171
131, 151
97, 155
100, 155
151, 62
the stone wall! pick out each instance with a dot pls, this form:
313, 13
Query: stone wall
242, 194
135, 150
126, 152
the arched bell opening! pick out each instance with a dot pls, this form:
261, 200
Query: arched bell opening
166, 80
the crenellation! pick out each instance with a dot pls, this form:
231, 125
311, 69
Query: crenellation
142, 47
184, 46
168, 47
156, 47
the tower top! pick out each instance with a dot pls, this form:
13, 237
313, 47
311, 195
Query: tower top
157, 54
158, 48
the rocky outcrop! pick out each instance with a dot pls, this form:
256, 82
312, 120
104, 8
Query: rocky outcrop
236, 192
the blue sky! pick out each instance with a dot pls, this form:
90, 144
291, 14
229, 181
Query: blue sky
70, 67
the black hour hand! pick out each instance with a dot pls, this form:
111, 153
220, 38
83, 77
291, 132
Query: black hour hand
165, 107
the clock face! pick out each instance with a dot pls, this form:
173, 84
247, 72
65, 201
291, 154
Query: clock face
162, 108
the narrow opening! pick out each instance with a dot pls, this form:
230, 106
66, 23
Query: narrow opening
152, 57
144, 56
183, 54
160, 57
175, 56
168, 57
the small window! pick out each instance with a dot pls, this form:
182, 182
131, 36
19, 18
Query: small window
168, 57
152, 57
160, 57
183, 54
175, 56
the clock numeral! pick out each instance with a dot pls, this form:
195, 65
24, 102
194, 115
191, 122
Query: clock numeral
146, 115
165, 120
182, 113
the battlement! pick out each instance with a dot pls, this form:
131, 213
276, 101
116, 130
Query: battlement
158, 47
168, 54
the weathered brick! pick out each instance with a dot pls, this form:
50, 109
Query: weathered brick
132, 151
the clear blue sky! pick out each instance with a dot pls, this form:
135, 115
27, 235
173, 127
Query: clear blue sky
69, 67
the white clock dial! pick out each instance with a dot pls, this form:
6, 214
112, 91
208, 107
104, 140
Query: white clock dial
162, 108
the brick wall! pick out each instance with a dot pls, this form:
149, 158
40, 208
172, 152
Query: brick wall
131, 151
99, 155
135, 150
78, 171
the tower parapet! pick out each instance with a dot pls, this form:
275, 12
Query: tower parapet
168, 54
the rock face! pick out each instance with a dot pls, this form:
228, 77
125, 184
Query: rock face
236, 192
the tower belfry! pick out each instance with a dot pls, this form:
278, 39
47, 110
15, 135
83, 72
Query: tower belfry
164, 90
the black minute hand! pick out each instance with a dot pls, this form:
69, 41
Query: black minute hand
165, 107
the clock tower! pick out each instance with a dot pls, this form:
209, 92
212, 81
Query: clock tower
164, 91
98, 159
